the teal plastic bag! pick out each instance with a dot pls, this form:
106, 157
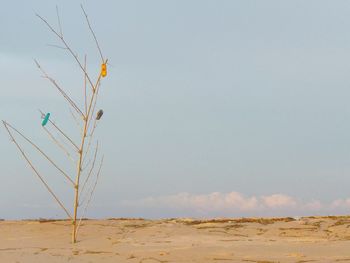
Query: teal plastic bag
46, 119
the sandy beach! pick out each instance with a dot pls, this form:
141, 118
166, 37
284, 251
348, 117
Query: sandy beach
308, 239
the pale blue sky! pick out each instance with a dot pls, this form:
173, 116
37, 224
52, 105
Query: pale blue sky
202, 96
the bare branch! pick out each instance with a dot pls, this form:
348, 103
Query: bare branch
68, 48
92, 32
98, 84
69, 139
95, 102
94, 99
90, 140
56, 46
91, 194
85, 165
91, 169
85, 99
92, 106
64, 94
74, 117
59, 21
36, 172
39, 150
59, 144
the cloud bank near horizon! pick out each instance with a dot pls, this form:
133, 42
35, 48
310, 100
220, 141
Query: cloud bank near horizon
218, 204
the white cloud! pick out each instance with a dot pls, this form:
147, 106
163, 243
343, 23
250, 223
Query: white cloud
341, 203
215, 203
235, 203
278, 201
314, 205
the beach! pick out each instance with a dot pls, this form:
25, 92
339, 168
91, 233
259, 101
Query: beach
306, 239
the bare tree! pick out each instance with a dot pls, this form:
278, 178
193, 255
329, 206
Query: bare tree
87, 171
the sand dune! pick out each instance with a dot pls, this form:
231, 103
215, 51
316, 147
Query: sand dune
308, 239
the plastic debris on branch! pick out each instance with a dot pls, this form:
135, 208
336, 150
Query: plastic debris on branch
46, 119
99, 114
104, 70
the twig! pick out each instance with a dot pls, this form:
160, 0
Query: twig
91, 194
74, 117
56, 46
99, 82
97, 86
59, 21
93, 128
93, 101
69, 139
36, 172
92, 32
90, 139
86, 165
68, 48
59, 144
91, 169
88, 116
64, 94
85, 85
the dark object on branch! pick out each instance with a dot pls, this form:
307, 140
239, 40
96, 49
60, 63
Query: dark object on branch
99, 114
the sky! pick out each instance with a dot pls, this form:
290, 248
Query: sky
211, 108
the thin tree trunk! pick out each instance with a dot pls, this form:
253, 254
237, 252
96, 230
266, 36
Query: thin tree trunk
76, 187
